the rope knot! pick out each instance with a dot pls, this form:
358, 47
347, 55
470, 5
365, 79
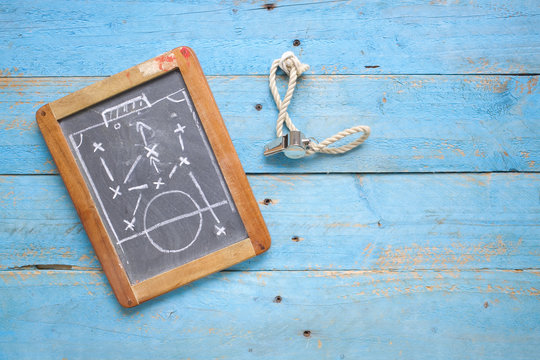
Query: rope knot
289, 61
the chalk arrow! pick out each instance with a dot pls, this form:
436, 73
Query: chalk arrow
140, 126
154, 160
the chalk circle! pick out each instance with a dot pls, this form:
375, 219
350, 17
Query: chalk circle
117, 126
179, 224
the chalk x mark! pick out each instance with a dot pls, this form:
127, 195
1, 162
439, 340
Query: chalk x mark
116, 191
183, 160
196, 183
132, 168
151, 151
130, 224
106, 169
97, 146
220, 230
158, 183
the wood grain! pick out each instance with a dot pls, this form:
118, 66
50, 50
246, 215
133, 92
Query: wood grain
419, 123
238, 38
323, 222
238, 315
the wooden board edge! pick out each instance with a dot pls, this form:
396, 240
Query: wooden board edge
185, 60
113, 85
194, 270
223, 148
85, 206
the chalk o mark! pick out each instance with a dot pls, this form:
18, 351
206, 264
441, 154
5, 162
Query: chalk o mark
147, 229
117, 125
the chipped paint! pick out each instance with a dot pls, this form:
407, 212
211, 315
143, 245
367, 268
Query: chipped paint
164, 62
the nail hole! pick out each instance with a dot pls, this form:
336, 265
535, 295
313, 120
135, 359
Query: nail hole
258, 107
296, 42
295, 238
379, 223
277, 299
267, 201
486, 304
269, 6
307, 333
42, 113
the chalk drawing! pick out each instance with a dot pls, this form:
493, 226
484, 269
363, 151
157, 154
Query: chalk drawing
181, 130
196, 183
137, 205
124, 109
140, 187
158, 183
132, 168
116, 112
220, 230
173, 171
130, 224
106, 169
80, 142
97, 146
140, 126
210, 154
116, 191
93, 186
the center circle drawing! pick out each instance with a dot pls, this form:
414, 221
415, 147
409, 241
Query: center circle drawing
179, 220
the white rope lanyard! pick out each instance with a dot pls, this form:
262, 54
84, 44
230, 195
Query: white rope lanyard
290, 64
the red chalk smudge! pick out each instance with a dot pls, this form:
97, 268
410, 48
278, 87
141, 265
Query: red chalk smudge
185, 52
166, 62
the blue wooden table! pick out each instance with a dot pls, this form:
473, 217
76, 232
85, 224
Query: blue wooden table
423, 243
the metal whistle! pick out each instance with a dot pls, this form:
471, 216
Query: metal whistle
292, 145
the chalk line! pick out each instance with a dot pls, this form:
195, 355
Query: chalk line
93, 186
132, 168
106, 169
139, 187
166, 222
202, 195
137, 205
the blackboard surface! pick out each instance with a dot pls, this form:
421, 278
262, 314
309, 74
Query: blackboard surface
153, 177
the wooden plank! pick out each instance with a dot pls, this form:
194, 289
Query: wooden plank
371, 37
322, 222
349, 315
419, 123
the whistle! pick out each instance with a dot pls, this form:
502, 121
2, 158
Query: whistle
293, 145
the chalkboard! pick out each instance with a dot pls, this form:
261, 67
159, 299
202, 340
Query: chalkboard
158, 186
154, 177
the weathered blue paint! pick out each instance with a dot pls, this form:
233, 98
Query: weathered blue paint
235, 315
343, 222
421, 266
419, 123
59, 38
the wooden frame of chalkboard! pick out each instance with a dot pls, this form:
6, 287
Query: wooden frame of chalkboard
181, 59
